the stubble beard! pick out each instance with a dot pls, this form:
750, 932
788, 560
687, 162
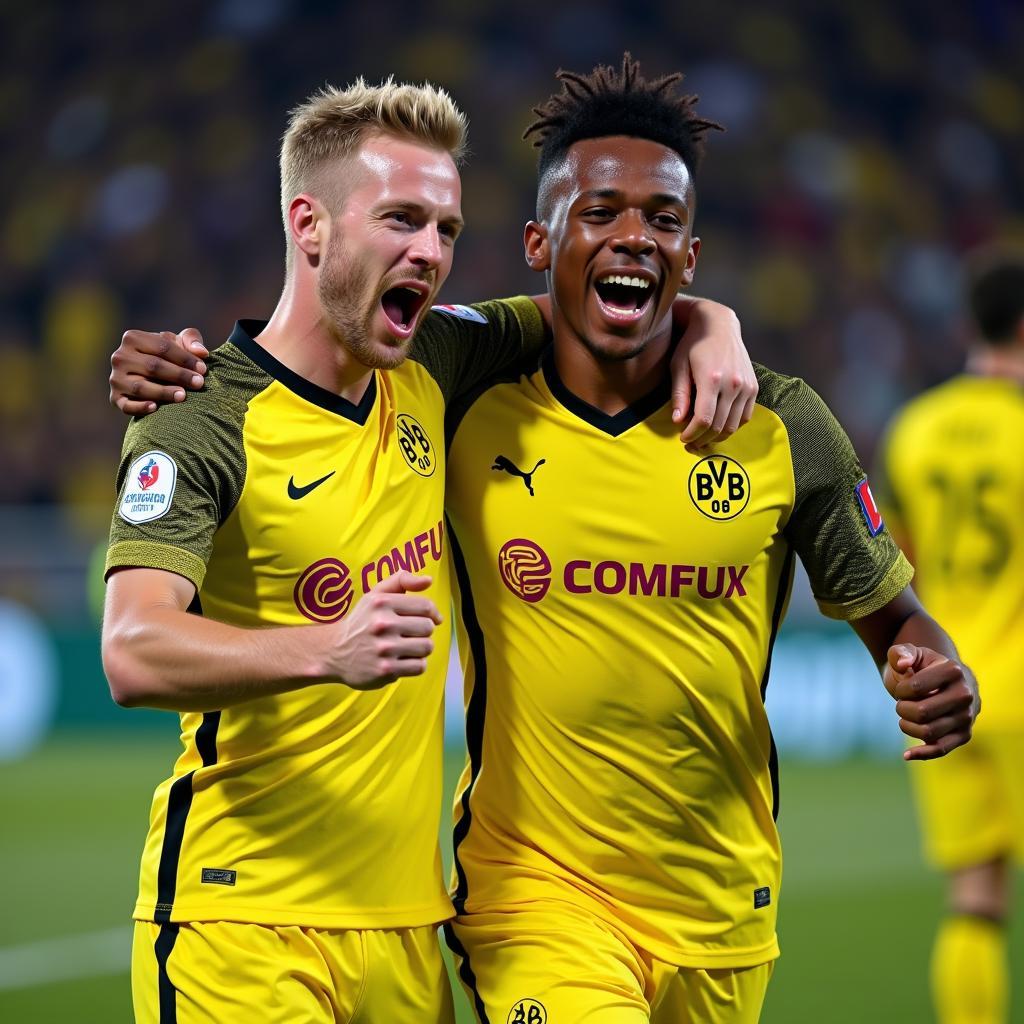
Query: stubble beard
349, 305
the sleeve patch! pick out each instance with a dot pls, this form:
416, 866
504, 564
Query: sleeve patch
462, 312
149, 488
867, 505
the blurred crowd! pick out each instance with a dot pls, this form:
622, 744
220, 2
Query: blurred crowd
868, 147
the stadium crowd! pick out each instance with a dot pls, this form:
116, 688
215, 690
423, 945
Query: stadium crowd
867, 148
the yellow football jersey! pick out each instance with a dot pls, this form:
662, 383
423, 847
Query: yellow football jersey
619, 601
951, 480
284, 504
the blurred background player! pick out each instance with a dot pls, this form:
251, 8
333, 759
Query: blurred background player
951, 482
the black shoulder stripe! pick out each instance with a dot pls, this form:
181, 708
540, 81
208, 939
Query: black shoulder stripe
457, 409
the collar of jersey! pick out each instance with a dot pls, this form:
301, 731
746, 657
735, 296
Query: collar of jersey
243, 337
605, 422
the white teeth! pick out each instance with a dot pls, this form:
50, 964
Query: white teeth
634, 282
414, 291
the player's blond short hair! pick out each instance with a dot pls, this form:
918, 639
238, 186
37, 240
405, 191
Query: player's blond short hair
333, 123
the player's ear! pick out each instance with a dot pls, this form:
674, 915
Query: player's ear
535, 242
308, 225
691, 262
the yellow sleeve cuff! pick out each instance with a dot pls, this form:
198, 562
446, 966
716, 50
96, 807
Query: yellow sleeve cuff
893, 582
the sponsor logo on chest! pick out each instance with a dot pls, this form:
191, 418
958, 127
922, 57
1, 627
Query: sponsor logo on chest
528, 571
326, 589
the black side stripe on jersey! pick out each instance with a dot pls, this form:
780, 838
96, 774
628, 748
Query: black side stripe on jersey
465, 971
475, 712
166, 992
785, 582
179, 802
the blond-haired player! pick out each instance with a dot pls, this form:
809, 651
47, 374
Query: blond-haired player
952, 482
249, 522
278, 558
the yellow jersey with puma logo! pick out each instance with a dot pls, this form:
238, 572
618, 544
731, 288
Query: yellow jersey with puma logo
619, 598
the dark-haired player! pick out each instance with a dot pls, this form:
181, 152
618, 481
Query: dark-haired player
952, 485
616, 852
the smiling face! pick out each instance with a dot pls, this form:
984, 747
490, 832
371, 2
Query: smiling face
616, 241
390, 247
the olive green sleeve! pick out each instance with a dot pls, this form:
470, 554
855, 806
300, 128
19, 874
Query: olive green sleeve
854, 565
195, 451
463, 346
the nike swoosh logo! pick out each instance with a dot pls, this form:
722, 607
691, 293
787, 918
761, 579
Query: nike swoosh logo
300, 492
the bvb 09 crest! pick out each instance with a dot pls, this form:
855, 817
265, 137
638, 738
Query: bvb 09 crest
719, 487
528, 1011
417, 448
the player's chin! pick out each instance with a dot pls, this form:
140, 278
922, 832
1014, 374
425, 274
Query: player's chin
389, 355
616, 347
386, 348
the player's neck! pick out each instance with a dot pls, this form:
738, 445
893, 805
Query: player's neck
611, 385
1008, 362
297, 335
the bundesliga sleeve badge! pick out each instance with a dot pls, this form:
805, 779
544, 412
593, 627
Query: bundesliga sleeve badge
868, 507
462, 312
149, 488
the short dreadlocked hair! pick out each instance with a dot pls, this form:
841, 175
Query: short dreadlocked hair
612, 101
995, 293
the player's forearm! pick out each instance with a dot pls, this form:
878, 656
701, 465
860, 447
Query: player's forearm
166, 658
922, 630
902, 620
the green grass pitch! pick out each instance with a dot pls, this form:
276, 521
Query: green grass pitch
857, 907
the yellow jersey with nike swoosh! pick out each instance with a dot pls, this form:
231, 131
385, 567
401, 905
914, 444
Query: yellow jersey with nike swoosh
284, 504
951, 479
619, 598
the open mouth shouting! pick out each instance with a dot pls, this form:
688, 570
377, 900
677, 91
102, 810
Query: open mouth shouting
402, 305
624, 297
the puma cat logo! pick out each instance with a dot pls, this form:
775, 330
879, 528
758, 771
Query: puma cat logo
508, 466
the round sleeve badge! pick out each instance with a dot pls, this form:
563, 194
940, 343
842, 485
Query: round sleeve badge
149, 488
719, 487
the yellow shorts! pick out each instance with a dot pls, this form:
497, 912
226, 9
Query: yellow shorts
558, 964
971, 802
226, 973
